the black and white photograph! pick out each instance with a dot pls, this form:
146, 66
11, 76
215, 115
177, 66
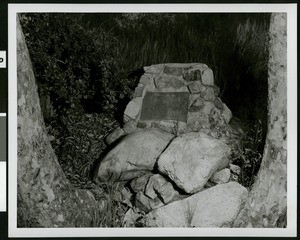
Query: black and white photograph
144, 121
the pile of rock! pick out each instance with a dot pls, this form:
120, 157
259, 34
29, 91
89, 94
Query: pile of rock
204, 110
171, 164
158, 172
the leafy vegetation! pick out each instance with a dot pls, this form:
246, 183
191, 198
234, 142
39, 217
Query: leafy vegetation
87, 66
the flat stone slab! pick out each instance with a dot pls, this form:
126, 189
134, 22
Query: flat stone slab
165, 106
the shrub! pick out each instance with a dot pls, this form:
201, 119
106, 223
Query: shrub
73, 65
250, 154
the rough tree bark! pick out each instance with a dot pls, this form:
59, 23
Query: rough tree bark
267, 205
45, 197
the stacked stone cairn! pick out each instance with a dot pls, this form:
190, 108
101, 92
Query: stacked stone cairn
175, 172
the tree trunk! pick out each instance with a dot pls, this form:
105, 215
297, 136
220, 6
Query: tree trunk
45, 197
268, 204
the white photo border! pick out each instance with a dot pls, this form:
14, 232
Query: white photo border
290, 231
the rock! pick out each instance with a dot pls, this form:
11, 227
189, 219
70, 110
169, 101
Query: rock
145, 203
208, 95
115, 135
219, 127
154, 68
222, 176
191, 159
192, 75
218, 103
135, 155
208, 107
144, 124
122, 194
139, 184
208, 77
227, 114
176, 71
196, 87
138, 92
158, 186
197, 121
181, 128
200, 66
165, 81
146, 79
217, 206
130, 127
235, 169
197, 105
130, 218
169, 126
216, 90
132, 110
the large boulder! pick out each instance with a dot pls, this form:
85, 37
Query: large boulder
135, 155
191, 159
215, 207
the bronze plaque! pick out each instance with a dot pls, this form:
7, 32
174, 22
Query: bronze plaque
165, 106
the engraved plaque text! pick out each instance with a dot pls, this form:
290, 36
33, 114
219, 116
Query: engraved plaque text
165, 106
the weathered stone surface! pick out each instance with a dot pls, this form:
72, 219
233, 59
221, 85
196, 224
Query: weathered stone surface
196, 87
115, 135
177, 71
235, 169
144, 124
219, 127
208, 77
145, 203
208, 94
165, 81
192, 75
227, 114
191, 159
138, 184
222, 176
215, 207
197, 121
154, 68
197, 105
130, 218
133, 156
138, 92
121, 193
218, 103
169, 126
216, 90
219, 205
146, 79
200, 66
160, 187
130, 127
132, 110
208, 107
181, 128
